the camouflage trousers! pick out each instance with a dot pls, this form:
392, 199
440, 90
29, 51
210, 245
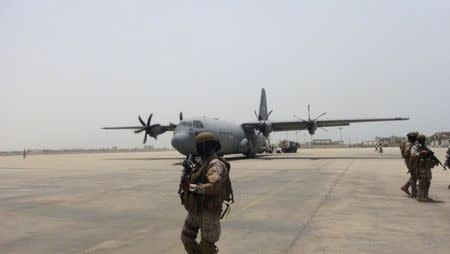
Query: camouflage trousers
209, 225
424, 176
413, 180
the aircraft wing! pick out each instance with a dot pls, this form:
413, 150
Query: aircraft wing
301, 125
164, 128
151, 130
123, 128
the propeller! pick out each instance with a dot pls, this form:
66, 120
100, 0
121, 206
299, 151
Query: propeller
150, 130
263, 126
311, 125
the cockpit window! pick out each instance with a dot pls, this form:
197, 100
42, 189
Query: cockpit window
195, 124
198, 124
189, 124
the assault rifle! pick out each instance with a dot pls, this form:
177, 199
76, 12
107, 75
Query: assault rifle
188, 166
432, 156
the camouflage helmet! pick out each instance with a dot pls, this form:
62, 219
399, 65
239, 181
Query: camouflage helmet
203, 137
412, 135
421, 138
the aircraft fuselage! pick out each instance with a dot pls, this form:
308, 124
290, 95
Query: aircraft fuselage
230, 135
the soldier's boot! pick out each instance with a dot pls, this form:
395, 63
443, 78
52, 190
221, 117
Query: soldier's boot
426, 192
405, 188
207, 247
190, 244
414, 190
421, 195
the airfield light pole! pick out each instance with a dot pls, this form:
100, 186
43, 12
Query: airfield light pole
340, 132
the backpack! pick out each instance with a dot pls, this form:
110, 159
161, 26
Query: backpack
403, 149
228, 196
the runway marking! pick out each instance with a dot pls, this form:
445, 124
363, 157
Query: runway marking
271, 194
298, 236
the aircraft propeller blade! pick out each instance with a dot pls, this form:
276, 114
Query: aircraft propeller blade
300, 119
142, 121
309, 112
145, 137
323, 129
139, 131
319, 116
149, 119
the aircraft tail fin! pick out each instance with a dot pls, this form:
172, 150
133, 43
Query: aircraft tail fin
263, 113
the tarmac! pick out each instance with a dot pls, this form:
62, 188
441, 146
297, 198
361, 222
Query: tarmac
315, 201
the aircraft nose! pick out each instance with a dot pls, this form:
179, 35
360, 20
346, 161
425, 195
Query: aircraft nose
181, 142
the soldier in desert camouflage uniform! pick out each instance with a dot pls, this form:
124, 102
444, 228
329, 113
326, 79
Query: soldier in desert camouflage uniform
447, 161
406, 154
208, 188
421, 157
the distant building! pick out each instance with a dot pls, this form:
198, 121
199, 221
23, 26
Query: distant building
149, 147
369, 143
440, 139
324, 142
390, 141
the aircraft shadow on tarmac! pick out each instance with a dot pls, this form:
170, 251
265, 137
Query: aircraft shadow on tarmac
329, 158
269, 157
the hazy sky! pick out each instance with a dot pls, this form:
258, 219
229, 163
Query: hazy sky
67, 68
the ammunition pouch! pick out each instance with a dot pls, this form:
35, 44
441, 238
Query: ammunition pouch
191, 202
428, 163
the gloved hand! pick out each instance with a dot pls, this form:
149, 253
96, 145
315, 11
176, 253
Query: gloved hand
185, 185
424, 153
193, 187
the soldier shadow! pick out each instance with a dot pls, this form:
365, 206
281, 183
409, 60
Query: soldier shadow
328, 158
144, 159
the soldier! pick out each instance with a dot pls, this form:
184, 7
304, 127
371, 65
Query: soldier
406, 154
208, 188
420, 156
447, 161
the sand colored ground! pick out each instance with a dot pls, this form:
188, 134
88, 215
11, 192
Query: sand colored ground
315, 201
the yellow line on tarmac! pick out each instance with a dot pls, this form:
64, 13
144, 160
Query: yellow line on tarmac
271, 194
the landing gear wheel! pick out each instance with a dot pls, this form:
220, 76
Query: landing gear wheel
250, 155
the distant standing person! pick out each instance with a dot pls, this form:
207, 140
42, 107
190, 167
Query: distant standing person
447, 161
24, 153
424, 162
405, 149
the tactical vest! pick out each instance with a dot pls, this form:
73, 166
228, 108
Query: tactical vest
193, 202
424, 163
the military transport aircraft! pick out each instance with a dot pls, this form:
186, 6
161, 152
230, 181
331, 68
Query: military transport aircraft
247, 138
